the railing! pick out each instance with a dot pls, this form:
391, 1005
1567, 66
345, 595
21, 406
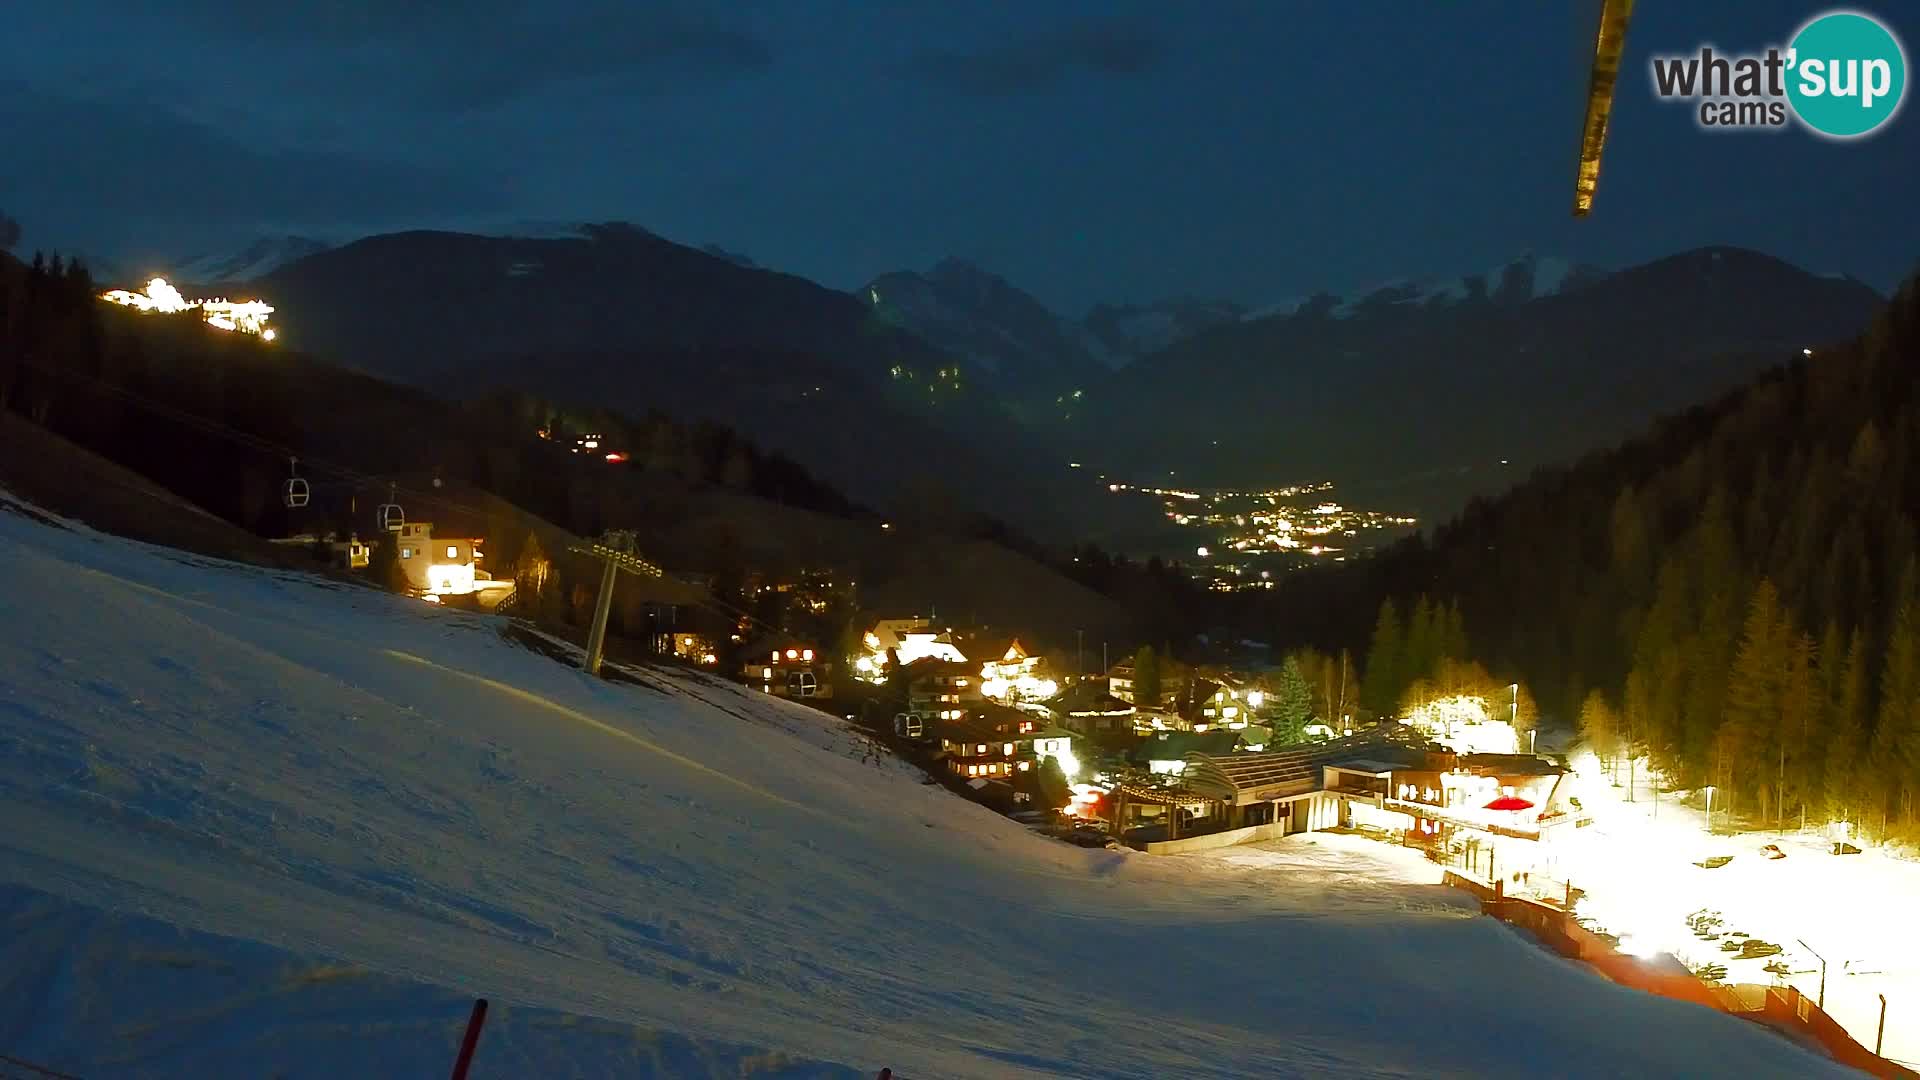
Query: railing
1784, 1008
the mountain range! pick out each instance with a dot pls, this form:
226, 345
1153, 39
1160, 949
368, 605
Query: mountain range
978, 315
1427, 394
1422, 391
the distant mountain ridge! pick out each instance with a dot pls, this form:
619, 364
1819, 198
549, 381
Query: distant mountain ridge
620, 316
980, 317
1421, 384
1516, 281
977, 314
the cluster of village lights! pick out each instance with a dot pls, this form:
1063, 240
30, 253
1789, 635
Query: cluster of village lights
1297, 520
159, 297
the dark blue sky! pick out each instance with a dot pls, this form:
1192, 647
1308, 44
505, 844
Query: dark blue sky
1109, 151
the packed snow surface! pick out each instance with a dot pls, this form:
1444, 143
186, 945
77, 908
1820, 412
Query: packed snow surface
269, 825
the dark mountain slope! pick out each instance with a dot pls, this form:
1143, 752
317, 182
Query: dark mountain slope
623, 318
1739, 586
1402, 387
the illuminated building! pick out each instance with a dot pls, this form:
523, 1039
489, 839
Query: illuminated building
940, 689
982, 743
910, 639
438, 566
243, 316
1016, 676
695, 649
786, 667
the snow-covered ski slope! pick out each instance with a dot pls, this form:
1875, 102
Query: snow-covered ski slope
253, 823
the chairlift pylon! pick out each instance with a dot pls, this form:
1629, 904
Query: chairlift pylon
390, 514
296, 493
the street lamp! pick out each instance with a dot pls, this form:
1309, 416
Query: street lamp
1823, 971
1709, 809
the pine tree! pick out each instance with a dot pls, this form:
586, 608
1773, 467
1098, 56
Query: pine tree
1384, 678
1846, 734
383, 565
1422, 648
1750, 717
1896, 735
1050, 783
1600, 727
1453, 634
1801, 713
1292, 705
1146, 676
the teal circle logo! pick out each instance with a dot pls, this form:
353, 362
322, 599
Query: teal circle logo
1847, 74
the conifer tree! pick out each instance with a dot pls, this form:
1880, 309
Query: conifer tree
1381, 684
1846, 735
1146, 676
1600, 727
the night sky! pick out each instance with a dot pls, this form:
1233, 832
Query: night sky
1088, 151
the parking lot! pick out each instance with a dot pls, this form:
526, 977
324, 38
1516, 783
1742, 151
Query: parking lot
1638, 869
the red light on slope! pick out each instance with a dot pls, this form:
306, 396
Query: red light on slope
616, 457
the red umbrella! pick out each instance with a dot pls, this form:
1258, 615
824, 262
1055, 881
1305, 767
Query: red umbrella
1510, 802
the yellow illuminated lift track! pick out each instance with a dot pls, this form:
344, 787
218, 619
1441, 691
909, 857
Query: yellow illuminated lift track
1609, 43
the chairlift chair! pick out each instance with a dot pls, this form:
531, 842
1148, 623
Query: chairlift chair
390, 515
296, 493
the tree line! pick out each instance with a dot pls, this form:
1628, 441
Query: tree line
1731, 596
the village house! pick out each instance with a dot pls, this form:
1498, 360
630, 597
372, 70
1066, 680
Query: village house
983, 743
787, 667
1487, 813
1166, 752
437, 566
940, 689
1010, 673
695, 649
1087, 707
1057, 743
906, 639
1206, 704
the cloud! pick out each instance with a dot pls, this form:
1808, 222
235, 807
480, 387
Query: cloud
72, 159
483, 54
1106, 48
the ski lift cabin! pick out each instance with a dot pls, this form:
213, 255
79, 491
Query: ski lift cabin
296, 493
390, 516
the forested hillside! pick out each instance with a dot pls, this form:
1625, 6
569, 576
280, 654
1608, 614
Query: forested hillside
1734, 594
212, 417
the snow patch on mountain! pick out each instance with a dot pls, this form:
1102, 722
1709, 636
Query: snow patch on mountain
1126, 332
1517, 281
258, 259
